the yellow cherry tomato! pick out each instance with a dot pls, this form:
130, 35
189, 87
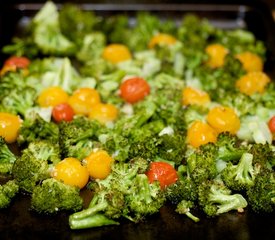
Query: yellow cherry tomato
223, 119
162, 39
71, 172
200, 133
52, 96
9, 126
192, 96
251, 62
104, 112
83, 99
116, 53
216, 53
99, 164
253, 82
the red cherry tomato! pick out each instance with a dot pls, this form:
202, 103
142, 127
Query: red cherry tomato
19, 62
271, 124
162, 172
134, 89
63, 112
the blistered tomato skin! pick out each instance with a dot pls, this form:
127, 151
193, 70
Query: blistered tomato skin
162, 39
162, 172
116, 53
216, 53
200, 133
250, 61
104, 112
18, 62
223, 119
134, 89
253, 82
83, 100
9, 126
52, 96
99, 164
192, 96
71, 172
63, 112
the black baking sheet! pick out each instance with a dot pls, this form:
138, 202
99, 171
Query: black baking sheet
18, 222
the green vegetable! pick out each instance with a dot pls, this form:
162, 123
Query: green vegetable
7, 157
7, 192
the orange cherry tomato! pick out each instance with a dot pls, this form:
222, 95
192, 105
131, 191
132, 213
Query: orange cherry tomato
134, 89
192, 96
162, 39
52, 96
99, 164
251, 62
63, 112
104, 112
116, 53
162, 172
18, 62
200, 133
9, 126
223, 119
271, 124
253, 82
216, 53
71, 172
83, 99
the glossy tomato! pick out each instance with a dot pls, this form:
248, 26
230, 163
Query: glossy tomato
271, 124
19, 62
63, 112
134, 89
162, 172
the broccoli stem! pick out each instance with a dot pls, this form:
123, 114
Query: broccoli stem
90, 211
144, 188
192, 217
96, 220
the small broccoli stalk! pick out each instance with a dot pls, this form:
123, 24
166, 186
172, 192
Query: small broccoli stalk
29, 171
36, 128
7, 192
230, 148
201, 163
241, 176
184, 207
107, 203
7, 158
144, 199
53, 196
19, 101
261, 196
215, 198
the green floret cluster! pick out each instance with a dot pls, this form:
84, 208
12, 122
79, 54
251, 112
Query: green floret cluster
233, 173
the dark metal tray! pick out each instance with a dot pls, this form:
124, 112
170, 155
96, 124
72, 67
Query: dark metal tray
17, 222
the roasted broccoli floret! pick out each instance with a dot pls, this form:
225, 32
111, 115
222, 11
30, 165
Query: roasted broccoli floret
230, 148
52, 196
19, 101
215, 198
184, 207
144, 198
36, 128
184, 189
78, 137
7, 192
241, 176
7, 157
261, 196
201, 163
29, 170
